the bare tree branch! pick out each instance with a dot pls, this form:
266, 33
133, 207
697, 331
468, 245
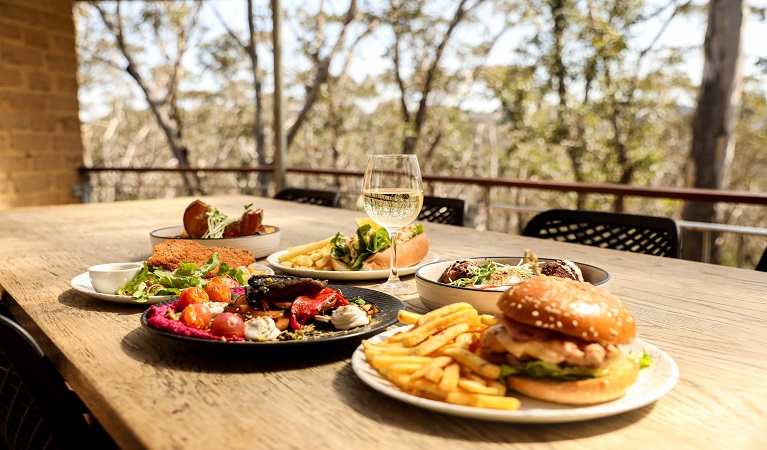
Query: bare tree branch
411, 140
321, 74
171, 132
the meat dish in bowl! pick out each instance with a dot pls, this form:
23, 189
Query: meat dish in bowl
445, 282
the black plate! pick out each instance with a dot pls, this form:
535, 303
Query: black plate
387, 305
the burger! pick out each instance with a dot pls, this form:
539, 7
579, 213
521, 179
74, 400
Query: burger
370, 249
558, 340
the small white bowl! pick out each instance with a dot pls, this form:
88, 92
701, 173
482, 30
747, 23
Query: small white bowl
435, 294
259, 244
108, 278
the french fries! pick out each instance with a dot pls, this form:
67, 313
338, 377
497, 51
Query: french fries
433, 359
312, 256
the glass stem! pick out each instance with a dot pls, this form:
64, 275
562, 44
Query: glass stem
393, 275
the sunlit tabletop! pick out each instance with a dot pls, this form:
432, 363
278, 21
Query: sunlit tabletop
154, 392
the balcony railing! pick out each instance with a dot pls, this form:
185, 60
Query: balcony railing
486, 212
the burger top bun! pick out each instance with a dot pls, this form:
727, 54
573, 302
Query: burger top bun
571, 307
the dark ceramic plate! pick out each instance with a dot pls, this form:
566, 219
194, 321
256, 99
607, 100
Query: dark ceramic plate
387, 305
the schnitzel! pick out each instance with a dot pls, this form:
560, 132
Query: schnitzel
170, 254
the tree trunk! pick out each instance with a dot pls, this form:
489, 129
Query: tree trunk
713, 126
258, 127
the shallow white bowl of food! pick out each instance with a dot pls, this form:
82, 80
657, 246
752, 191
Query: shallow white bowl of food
259, 245
434, 294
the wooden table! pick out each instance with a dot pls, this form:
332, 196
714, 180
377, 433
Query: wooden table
151, 392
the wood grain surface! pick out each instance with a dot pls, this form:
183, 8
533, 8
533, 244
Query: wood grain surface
152, 392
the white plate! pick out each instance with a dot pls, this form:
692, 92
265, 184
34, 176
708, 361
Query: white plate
654, 382
347, 274
82, 283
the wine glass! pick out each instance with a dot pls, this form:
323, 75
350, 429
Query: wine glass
393, 196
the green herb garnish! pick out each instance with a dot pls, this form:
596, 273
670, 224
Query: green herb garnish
485, 271
644, 360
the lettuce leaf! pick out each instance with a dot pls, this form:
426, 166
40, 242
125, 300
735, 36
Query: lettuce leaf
366, 246
644, 360
418, 229
152, 281
544, 369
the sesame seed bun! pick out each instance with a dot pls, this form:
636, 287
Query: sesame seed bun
582, 311
570, 307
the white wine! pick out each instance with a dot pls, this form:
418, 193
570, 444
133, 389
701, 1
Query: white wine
393, 208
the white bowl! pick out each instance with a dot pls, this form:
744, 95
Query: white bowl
259, 244
108, 278
435, 294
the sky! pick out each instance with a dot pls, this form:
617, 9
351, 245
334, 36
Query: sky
684, 31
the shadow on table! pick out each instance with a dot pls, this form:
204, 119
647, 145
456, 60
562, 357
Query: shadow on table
386, 410
78, 300
214, 357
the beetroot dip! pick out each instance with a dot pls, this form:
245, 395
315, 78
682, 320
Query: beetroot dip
157, 317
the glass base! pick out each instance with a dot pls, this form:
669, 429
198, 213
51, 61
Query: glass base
396, 288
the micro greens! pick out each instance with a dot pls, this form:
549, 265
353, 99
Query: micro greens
485, 271
217, 223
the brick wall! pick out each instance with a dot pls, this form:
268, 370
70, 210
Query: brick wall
40, 146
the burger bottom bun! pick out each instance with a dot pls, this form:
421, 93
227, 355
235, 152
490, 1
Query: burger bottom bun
409, 254
582, 392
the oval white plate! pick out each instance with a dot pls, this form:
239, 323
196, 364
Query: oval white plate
82, 283
654, 382
346, 274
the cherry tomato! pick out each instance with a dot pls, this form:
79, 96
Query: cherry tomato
195, 315
218, 291
192, 295
228, 325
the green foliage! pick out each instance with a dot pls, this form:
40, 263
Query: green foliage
577, 97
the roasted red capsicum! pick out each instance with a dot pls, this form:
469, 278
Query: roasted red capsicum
305, 307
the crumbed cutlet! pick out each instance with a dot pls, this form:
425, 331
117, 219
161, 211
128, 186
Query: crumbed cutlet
170, 254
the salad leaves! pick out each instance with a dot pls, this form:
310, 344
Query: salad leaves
151, 281
366, 245
485, 272
540, 368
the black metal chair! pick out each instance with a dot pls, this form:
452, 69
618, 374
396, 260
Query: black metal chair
310, 196
629, 232
37, 409
446, 210
761, 266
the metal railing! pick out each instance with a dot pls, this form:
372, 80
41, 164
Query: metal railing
484, 205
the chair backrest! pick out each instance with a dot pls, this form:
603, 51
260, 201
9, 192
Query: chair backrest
443, 210
761, 266
311, 196
37, 409
629, 232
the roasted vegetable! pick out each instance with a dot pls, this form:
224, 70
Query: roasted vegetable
196, 219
